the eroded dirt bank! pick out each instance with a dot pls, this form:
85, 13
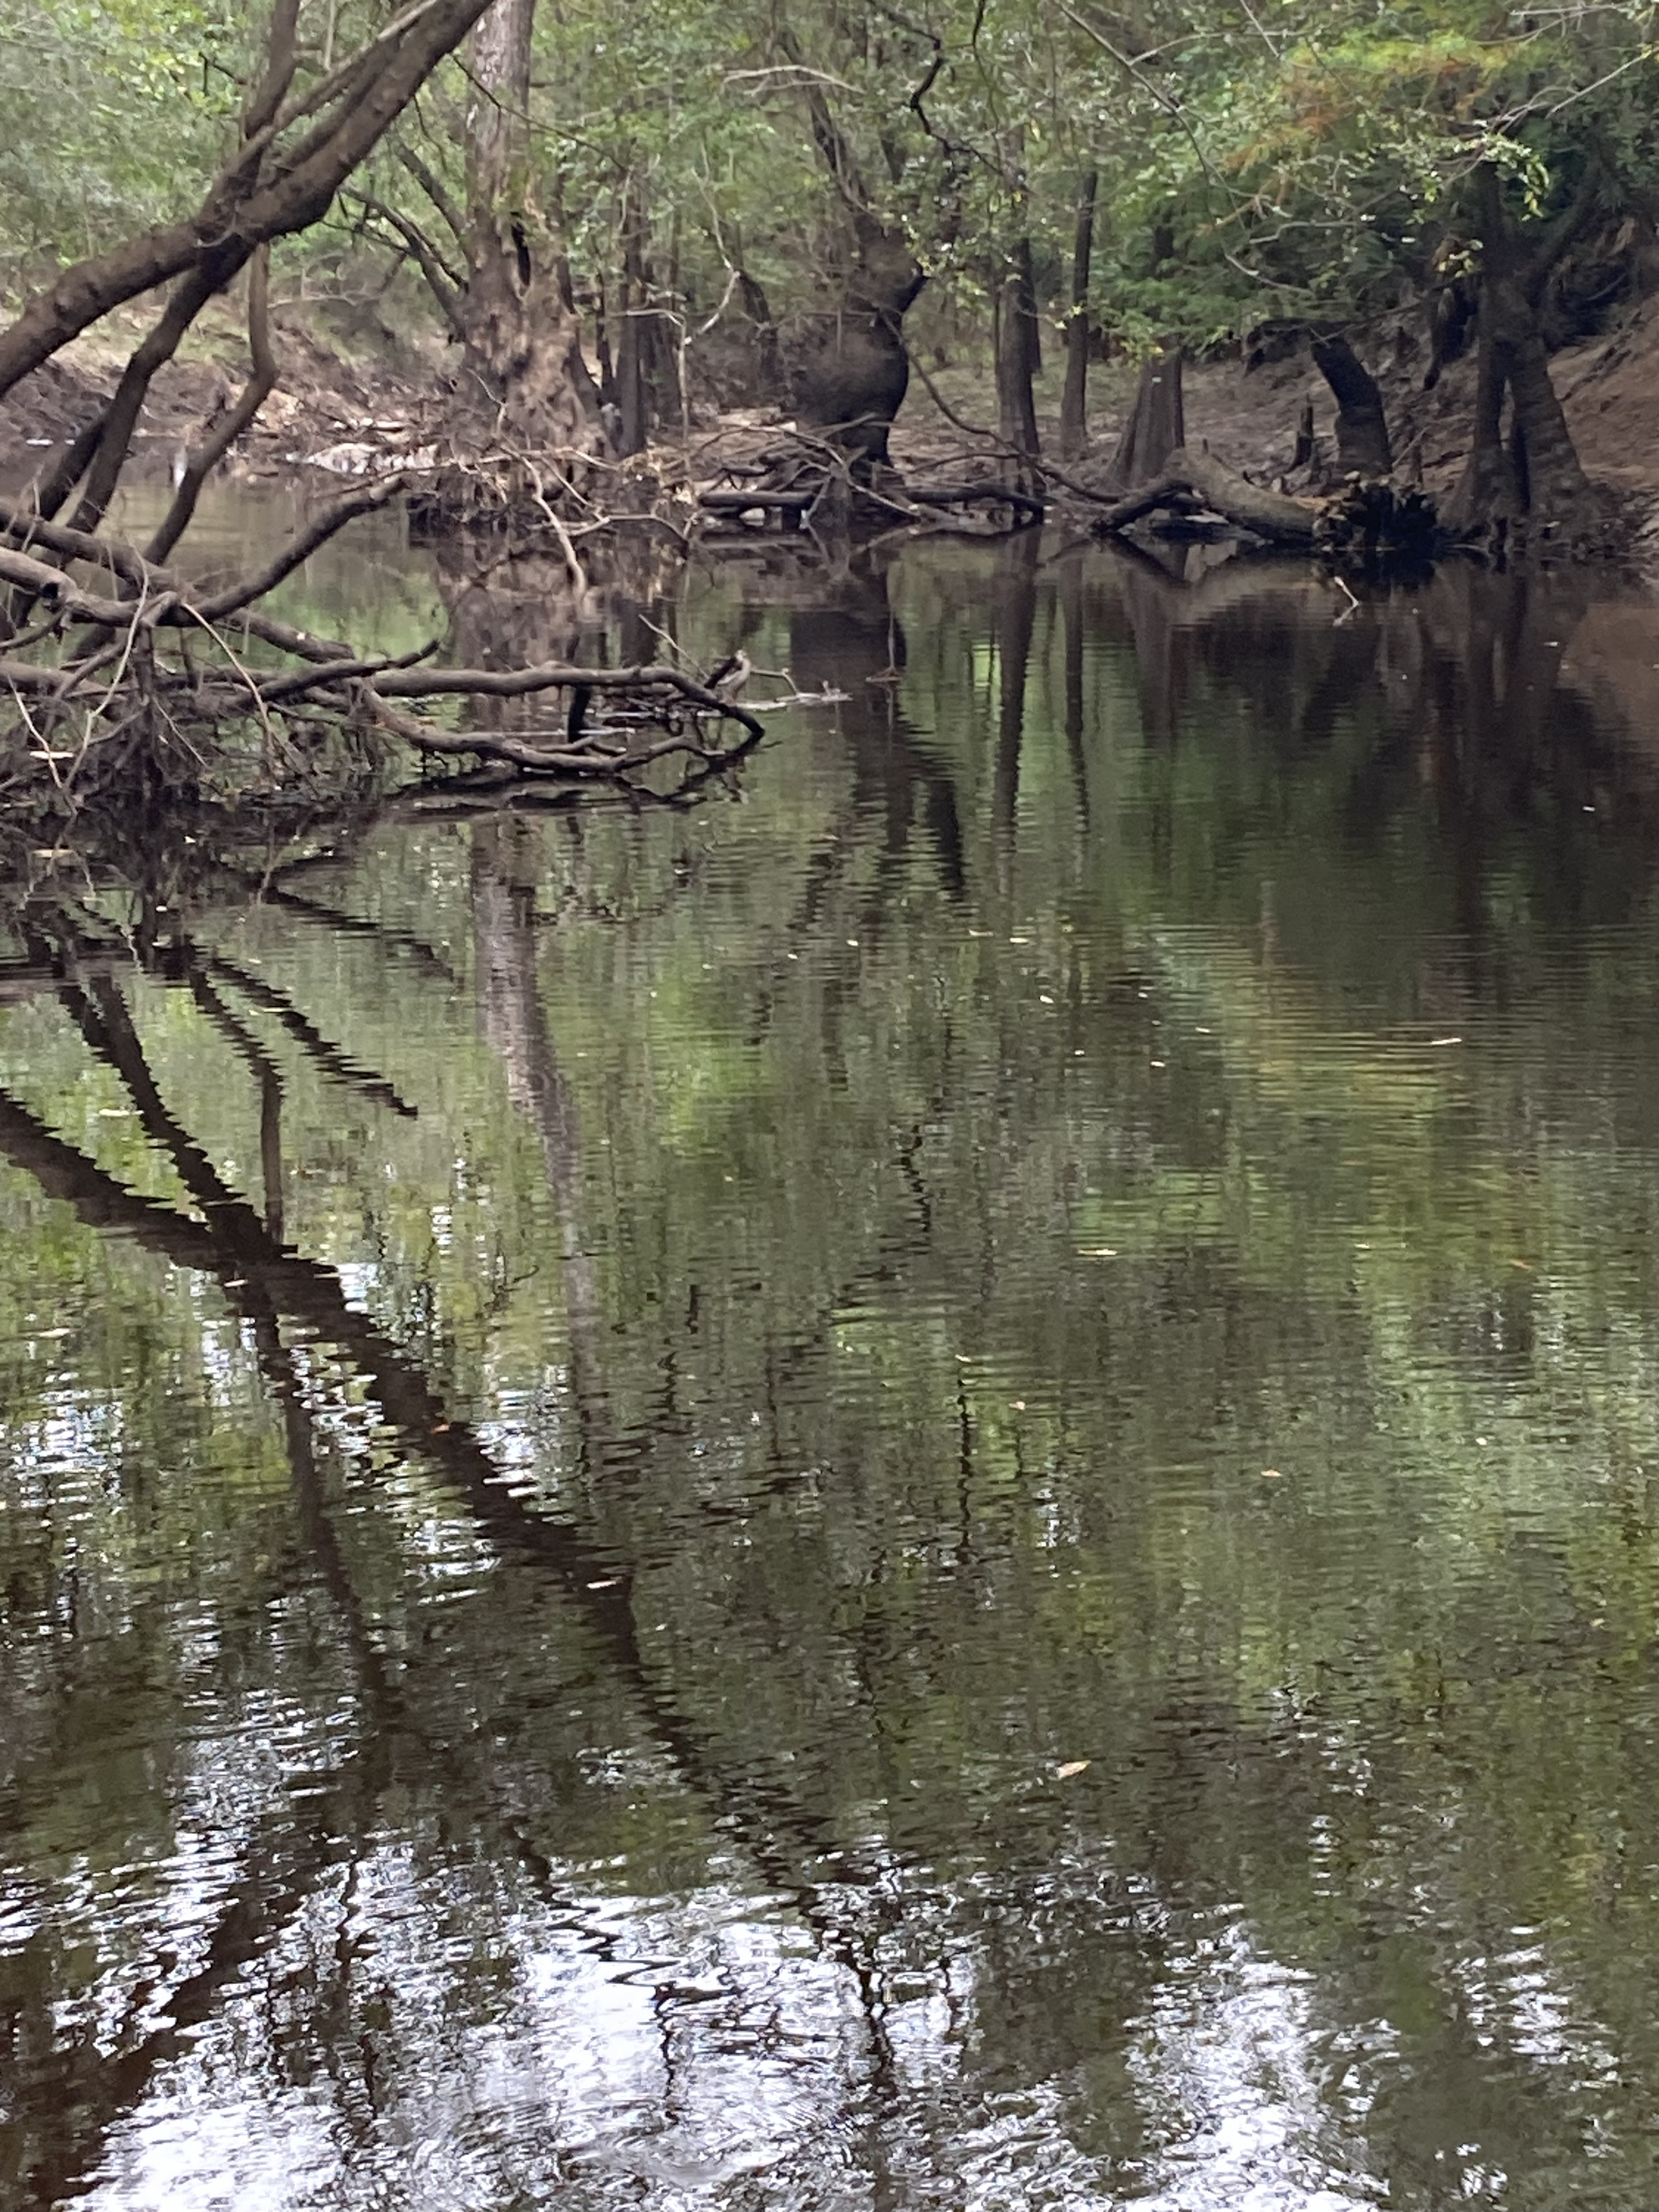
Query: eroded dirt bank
371, 395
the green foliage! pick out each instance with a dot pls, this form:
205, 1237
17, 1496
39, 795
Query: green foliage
110, 115
1303, 157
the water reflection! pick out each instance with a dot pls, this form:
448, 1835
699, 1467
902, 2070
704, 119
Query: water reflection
932, 1487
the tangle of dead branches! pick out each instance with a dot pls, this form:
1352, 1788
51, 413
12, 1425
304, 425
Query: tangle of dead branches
115, 669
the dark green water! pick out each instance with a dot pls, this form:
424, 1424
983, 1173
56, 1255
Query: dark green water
601, 1413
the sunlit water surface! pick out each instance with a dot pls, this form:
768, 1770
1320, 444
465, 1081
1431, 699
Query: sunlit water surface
936, 1487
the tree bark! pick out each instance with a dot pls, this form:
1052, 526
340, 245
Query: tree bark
769, 379
1073, 405
523, 342
1362, 427
1157, 425
1016, 355
1272, 514
851, 368
1540, 475
633, 395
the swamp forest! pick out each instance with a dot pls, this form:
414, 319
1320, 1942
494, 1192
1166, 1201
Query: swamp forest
828, 1106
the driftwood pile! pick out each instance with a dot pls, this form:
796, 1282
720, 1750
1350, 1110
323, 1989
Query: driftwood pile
808, 485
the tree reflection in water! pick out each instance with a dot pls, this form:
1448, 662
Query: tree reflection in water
798, 1322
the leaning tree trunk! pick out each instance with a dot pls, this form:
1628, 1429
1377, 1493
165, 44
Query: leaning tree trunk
292, 158
1074, 400
1016, 362
1157, 424
1362, 426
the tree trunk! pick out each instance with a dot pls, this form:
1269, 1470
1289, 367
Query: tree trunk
523, 344
1073, 405
1362, 427
633, 394
1487, 492
261, 194
266, 190
851, 369
1015, 354
1555, 485
767, 381
1540, 475
1157, 424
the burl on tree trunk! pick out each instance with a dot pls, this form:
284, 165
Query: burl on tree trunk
851, 370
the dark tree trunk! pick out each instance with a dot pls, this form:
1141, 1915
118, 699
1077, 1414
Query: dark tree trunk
1302, 455
1016, 356
1450, 312
1362, 427
1538, 474
266, 190
851, 369
252, 200
1488, 491
1555, 484
768, 380
1074, 401
1157, 424
633, 392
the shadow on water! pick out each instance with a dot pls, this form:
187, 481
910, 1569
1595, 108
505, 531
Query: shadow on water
932, 1487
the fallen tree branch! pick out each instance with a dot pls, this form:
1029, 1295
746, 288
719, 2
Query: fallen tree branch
1192, 473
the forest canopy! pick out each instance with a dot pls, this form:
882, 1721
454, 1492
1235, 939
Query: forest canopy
1304, 158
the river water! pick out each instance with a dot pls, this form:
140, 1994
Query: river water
936, 1487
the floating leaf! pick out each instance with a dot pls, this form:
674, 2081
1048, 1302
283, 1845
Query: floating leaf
1072, 1766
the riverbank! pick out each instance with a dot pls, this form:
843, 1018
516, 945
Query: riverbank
360, 392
